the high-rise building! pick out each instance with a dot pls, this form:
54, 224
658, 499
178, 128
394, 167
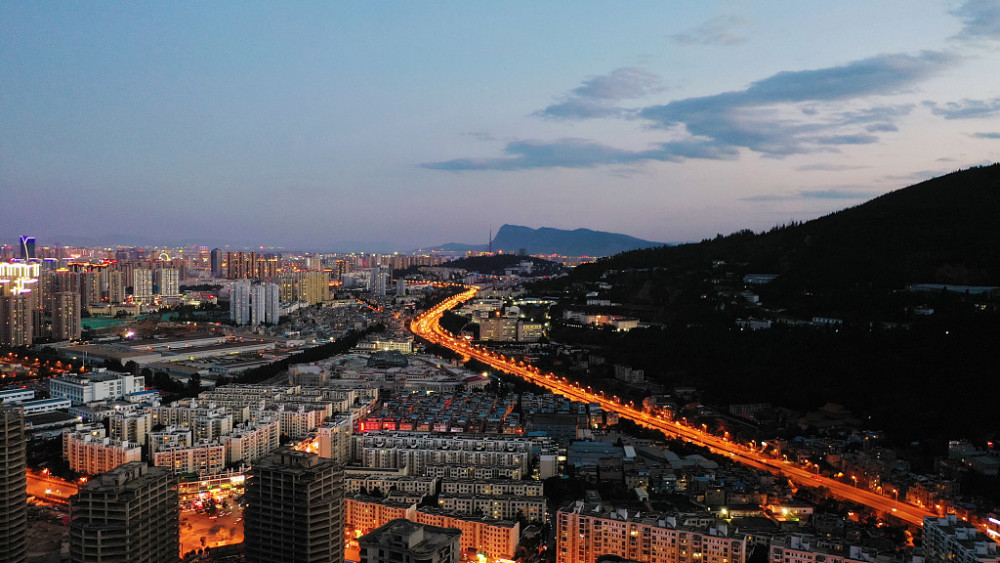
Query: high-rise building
168, 280
250, 265
16, 320
271, 303
116, 286
258, 295
401, 540
127, 514
13, 485
216, 263
377, 281
142, 285
90, 287
66, 315
295, 509
239, 302
27, 250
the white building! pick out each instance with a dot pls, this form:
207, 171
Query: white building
418, 450
142, 285
239, 302
130, 428
99, 385
169, 437
953, 540
169, 282
251, 441
584, 532
45, 405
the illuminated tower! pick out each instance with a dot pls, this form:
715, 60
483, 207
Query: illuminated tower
27, 248
295, 509
13, 485
16, 303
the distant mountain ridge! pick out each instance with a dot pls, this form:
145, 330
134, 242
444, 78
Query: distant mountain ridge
546, 240
944, 230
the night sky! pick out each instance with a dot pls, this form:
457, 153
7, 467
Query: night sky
326, 125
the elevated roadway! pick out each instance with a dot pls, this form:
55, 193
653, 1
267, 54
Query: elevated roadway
428, 326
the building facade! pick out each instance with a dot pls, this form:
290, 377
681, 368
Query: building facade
129, 514
295, 509
584, 532
13, 485
953, 540
403, 541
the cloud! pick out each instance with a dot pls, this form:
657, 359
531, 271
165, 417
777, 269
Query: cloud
920, 175
736, 118
580, 153
846, 140
480, 135
811, 194
835, 194
828, 167
791, 112
597, 96
881, 128
965, 109
980, 20
985, 135
716, 31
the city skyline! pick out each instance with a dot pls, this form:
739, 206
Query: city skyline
395, 126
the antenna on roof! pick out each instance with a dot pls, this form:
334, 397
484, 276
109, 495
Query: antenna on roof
491, 239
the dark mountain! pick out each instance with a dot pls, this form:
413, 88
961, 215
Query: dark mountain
945, 230
578, 242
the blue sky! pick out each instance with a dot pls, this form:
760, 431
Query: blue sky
311, 125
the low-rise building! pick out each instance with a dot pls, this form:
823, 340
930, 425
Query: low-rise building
201, 458
251, 441
89, 451
403, 540
585, 531
950, 539
503, 507
98, 385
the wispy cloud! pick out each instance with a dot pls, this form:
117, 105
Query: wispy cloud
980, 20
580, 153
598, 96
720, 30
480, 135
920, 175
985, 135
966, 109
828, 167
812, 194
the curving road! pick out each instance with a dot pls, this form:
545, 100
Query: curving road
428, 326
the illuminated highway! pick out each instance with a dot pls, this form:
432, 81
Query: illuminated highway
428, 326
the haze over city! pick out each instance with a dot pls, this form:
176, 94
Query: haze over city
396, 125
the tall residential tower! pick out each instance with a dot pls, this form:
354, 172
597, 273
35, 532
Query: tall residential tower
295, 509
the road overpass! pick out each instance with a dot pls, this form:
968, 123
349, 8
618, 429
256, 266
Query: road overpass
428, 326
